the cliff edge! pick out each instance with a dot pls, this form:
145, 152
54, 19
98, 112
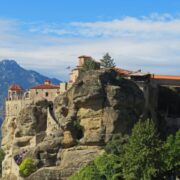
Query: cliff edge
66, 134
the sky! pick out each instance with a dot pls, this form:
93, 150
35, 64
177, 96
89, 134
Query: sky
49, 35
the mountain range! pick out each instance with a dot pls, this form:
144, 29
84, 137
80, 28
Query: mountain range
12, 73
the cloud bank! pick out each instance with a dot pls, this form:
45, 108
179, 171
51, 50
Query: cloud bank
149, 43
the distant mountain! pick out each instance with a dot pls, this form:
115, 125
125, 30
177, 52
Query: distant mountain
11, 72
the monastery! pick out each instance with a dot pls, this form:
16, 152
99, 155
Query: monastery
18, 98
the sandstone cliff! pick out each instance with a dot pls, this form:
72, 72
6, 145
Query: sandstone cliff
65, 135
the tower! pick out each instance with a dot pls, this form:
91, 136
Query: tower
15, 92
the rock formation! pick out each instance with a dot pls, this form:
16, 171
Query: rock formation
72, 131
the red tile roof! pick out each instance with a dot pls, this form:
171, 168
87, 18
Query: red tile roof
122, 71
15, 87
45, 86
156, 76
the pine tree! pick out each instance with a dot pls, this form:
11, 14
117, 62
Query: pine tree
107, 61
172, 154
142, 158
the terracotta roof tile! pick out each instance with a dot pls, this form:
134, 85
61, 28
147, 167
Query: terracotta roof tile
45, 86
156, 76
122, 71
15, 87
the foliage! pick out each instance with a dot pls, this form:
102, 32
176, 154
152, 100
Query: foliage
115, 145
141, 156
87, 173
2, 155
27, 167
172, 154
105, 167
109, 166
90, 64
142, 153
107, 61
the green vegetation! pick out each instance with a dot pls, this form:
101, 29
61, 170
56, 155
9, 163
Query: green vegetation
142, 156
108, 166
172, 154
27, 167
107, 61
115, 146
88, 173
142, 153
2, 154
90, 64
103, 167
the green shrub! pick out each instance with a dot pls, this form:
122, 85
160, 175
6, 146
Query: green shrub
90, 64
27, 167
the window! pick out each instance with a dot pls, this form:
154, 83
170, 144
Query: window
46, 94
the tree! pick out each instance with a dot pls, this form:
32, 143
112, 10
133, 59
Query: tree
109, 166
142, 158
172, 154
107, 61
90, 64
104, 167
27, 167
89, 172
115, 145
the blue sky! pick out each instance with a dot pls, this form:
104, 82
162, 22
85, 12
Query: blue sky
48, 35
81, 10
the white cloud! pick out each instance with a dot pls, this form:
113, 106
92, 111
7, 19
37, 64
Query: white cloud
149, 43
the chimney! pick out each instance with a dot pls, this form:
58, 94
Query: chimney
47, 82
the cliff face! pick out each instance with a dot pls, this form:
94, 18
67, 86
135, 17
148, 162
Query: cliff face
68, 134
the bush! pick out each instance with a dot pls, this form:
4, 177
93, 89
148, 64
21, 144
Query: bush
27, 167
90, 64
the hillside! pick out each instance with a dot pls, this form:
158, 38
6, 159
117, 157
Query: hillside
11, 72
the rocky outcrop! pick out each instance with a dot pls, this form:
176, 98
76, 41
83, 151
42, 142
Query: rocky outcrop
72, 133
22, 133
99, 105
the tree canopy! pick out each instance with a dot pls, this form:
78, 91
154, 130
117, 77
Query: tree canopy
90, 64
172, 154
107, 61
142, 153
141, 156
